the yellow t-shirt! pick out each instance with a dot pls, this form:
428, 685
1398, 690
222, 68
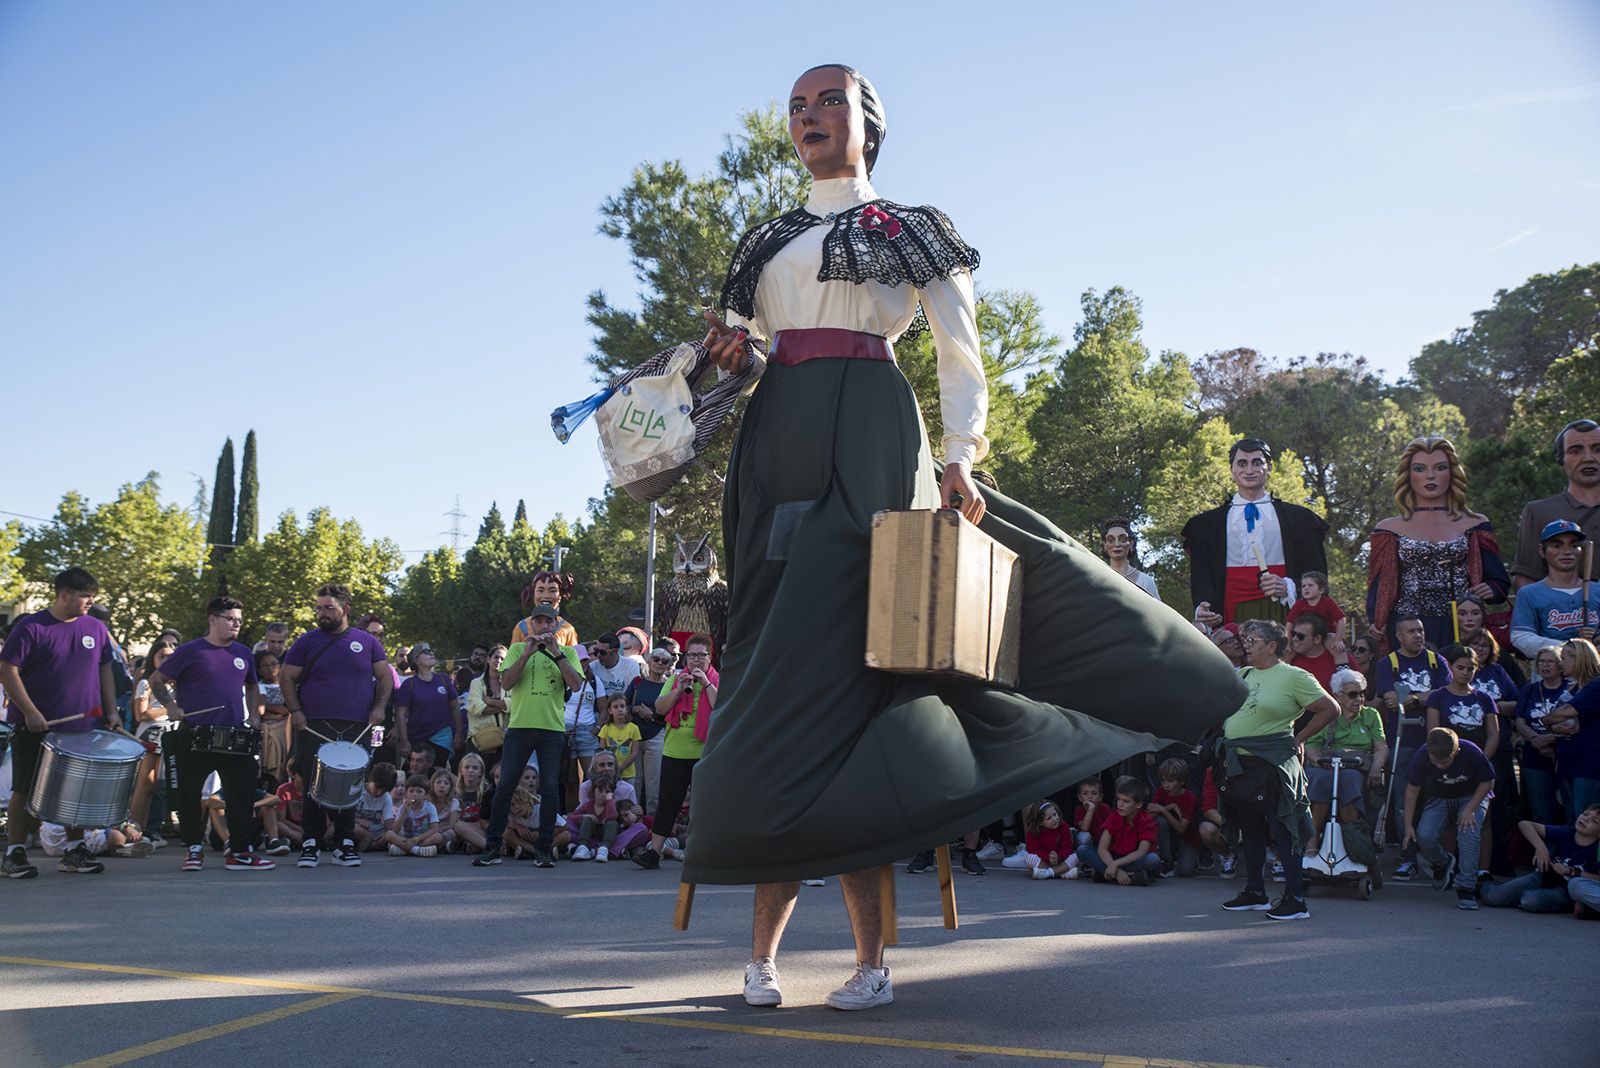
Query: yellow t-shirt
622, 739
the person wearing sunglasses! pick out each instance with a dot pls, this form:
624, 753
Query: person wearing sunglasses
1577, 450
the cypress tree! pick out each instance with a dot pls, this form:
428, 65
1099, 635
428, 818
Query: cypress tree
220, 532
522, 513
247, 526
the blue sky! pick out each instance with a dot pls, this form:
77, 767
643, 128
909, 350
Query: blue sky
367, 230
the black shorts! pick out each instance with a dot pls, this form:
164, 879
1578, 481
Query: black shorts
25, 748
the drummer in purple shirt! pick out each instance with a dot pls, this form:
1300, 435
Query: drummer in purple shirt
56, 664
336, 681
216, 683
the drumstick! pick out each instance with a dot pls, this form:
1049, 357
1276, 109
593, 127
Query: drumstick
363, 733
201, 711
317, 734
66, 719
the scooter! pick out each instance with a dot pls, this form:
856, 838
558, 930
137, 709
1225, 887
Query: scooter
1331, 864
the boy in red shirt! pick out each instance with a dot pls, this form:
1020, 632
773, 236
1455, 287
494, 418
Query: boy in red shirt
1089, 817
1176, 810
1127, 850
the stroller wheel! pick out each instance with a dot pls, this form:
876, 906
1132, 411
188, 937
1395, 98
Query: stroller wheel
1364, 888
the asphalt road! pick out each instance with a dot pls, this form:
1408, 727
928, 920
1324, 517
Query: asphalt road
408, 961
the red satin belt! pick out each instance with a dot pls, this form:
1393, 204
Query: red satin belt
790, 347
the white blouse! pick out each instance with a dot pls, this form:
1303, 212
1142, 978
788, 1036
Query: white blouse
789, 297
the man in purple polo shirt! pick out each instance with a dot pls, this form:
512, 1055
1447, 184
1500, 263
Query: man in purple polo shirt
56, 664
216, 685
336, 682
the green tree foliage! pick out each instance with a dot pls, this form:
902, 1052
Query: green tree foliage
220, 533
1016, 347
277, 577
13, 583
1510, 347
1104, 419
145, 555
427, 604
247, 527
680, 231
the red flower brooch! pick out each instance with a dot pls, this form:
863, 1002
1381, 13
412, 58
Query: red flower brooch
875, 218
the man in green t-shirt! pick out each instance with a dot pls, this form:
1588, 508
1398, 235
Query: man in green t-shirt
537, 674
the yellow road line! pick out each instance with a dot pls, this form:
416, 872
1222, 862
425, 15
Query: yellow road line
344, 993
189, 1038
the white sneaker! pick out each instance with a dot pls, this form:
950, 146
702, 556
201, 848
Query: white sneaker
425, 851
396, 851
868, 988
582, 853
813, 882
602, 855
761, 983
1044, 871
992, 851
1073, 873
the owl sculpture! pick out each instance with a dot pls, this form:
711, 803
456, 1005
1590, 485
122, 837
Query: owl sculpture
696, 600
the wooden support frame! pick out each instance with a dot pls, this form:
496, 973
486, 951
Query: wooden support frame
947, 888
886, 908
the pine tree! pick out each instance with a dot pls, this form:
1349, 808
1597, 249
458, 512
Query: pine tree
220, 533
522, 512
248, 525
492, 523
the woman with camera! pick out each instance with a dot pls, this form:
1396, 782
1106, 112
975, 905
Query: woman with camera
685, 705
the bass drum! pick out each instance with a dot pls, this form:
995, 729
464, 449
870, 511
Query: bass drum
85, 778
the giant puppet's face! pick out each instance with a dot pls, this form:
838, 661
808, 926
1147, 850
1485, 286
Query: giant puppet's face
696, 559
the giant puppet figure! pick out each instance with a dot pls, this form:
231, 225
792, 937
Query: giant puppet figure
1246, 557
814, 764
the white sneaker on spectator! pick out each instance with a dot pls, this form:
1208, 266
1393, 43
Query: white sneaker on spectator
1044, 871
582, 853
813, 882
992, 851
602, 855
761, 983
396, 851
868, 988
1073, 873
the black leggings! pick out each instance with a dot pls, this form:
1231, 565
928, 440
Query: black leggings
237, 773
676, 774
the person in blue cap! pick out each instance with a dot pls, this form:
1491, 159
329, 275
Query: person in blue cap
1558, 606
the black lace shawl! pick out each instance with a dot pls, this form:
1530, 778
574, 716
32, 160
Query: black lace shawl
880, 240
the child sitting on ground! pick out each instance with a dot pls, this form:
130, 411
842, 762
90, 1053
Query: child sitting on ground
1314, 601
1211, 833
375, 808
1566, 869
1176, 811
621, 736
1048, 849
291, 798
473, 794
1126, 853
442, 795
597, 821
415, 827
522, 828
1089, 817
634, 833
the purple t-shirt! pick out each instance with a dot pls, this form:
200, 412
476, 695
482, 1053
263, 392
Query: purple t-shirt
339, 684
431, 706
1421, 675
1578, 756
1466, 772
209, 675
1538, 702
60, 666
1464, 715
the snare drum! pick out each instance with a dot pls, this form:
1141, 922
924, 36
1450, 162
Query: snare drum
341, 775
85, 778
242, 741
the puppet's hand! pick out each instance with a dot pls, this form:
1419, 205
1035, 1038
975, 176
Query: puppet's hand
958, 482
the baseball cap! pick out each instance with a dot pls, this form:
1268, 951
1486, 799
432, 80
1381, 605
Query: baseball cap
544, 608
1557, 527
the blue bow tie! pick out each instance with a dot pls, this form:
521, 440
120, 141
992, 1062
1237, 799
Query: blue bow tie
1251, 514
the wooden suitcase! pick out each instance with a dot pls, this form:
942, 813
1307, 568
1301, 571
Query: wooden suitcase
943, 598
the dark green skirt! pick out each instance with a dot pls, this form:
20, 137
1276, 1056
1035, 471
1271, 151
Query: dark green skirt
817, 764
